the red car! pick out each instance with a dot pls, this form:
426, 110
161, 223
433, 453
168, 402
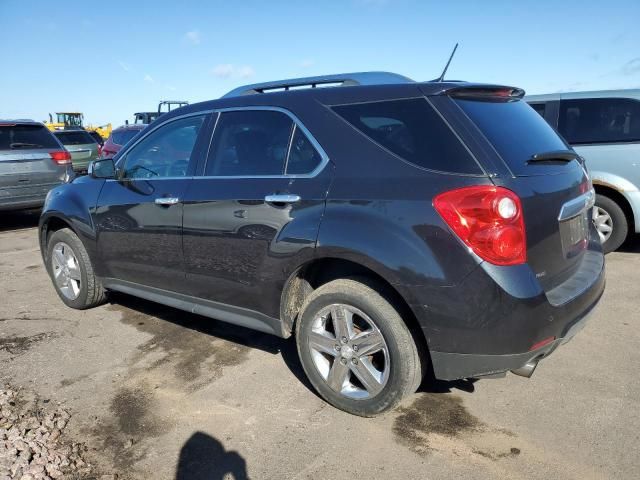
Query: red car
118, 138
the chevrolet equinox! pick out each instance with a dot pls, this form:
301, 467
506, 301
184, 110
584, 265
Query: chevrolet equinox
394, 227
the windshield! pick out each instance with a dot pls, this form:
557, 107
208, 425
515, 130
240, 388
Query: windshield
123, 136
74, 138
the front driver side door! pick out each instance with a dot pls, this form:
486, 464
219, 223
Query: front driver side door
139, 214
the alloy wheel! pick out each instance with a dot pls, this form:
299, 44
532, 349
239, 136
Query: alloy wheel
349, 351
66, 270
603, 223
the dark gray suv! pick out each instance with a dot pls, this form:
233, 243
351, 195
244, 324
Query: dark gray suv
32, 162
391, 226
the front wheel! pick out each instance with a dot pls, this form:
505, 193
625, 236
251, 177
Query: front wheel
611, 223
355, 348
71, 271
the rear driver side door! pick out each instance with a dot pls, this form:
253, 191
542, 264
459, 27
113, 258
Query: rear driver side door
139, 214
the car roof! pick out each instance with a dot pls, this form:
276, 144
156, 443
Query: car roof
19, 121
621, 93
328, 90
131, 126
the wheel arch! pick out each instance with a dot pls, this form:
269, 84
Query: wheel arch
617, 196
319, 271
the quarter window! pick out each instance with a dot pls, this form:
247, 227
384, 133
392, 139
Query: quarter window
250, 143
412, 130
303, 157
166, 152
539, 107
600, 120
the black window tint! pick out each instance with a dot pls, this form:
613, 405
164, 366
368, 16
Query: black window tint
540, 108
16, 137
165, 152
123, 136
414, 131
600, 120
74, 138
249, 143
303, 157
514, 129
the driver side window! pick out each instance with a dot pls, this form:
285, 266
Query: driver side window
165, 152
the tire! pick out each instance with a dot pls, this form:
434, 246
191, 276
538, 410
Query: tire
607, 213
84, 290
397, 366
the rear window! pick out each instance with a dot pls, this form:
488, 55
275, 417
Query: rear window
412, 130
600, 120
74, 138
514, 129
123, 136
16, 137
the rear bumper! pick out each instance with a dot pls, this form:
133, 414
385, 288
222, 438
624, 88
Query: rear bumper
491, 322
452, 366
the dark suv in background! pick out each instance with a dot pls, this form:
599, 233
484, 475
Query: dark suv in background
391, 226
32, 162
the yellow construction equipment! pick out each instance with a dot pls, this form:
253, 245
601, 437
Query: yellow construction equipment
71, 120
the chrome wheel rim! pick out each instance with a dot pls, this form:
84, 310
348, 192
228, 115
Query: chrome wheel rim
66, 270
349, 352
603, 222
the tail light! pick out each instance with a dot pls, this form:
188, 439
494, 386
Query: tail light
99, 150
61, 157
488, 220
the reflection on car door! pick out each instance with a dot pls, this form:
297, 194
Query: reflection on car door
246, 223
139, 214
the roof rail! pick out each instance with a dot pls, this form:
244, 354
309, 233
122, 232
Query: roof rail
341, 80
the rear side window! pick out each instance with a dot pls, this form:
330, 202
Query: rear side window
249, 143
514, 129
600, 120
303, 157
16, 137
122, 137
75, 138
412, 130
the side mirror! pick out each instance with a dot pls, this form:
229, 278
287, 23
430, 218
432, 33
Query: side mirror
103, 168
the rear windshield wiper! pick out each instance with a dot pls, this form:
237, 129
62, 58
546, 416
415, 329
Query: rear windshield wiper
554, 156
24, 145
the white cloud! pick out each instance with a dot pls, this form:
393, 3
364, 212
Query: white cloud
126, 67
171, 88
306, 63
148, 78
193, 36
227, 70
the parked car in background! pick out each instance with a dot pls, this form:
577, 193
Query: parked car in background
97, 137
81, 145
391, 226
119, 137
603, 127
32, 162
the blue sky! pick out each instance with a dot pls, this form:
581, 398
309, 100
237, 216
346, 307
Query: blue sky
110, 59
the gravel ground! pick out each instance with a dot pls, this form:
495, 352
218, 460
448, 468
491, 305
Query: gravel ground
157, 393
32, 443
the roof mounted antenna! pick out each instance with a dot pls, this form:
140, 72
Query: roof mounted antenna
441, 77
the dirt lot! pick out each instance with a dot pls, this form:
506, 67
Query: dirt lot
158, 393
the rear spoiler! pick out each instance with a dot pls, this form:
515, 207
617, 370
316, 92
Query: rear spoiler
485, 92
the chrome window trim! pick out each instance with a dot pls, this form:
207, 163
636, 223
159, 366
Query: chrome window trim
123, 155
297, 124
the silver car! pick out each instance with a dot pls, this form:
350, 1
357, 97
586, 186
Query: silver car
604, 128
32, 162
81, 145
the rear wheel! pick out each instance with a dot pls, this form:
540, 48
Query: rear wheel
71, 271
355, 348
611, 223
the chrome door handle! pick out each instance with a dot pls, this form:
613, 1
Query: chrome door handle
282, 198
167, 200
